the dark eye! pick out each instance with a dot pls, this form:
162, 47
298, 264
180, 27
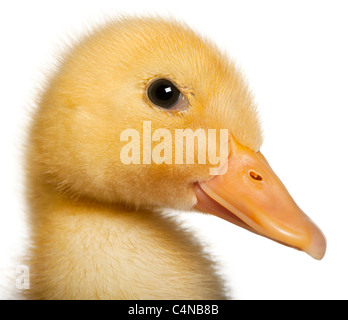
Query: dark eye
163, 93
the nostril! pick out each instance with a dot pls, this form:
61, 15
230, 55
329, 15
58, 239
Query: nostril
255, 175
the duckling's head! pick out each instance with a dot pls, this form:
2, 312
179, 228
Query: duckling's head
115, 120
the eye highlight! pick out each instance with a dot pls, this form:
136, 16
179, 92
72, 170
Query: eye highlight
164, 94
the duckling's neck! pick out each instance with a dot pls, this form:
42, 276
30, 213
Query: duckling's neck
85, 250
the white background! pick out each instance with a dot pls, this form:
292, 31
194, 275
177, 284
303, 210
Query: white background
294, 55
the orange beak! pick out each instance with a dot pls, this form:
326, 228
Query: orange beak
251, 196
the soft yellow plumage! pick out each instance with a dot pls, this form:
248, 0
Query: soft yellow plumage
96, 228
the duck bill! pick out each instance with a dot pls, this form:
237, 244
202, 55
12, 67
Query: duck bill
251, 196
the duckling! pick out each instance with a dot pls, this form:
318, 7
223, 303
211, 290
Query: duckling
98, 225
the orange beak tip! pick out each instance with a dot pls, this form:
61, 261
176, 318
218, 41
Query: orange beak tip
317, 248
